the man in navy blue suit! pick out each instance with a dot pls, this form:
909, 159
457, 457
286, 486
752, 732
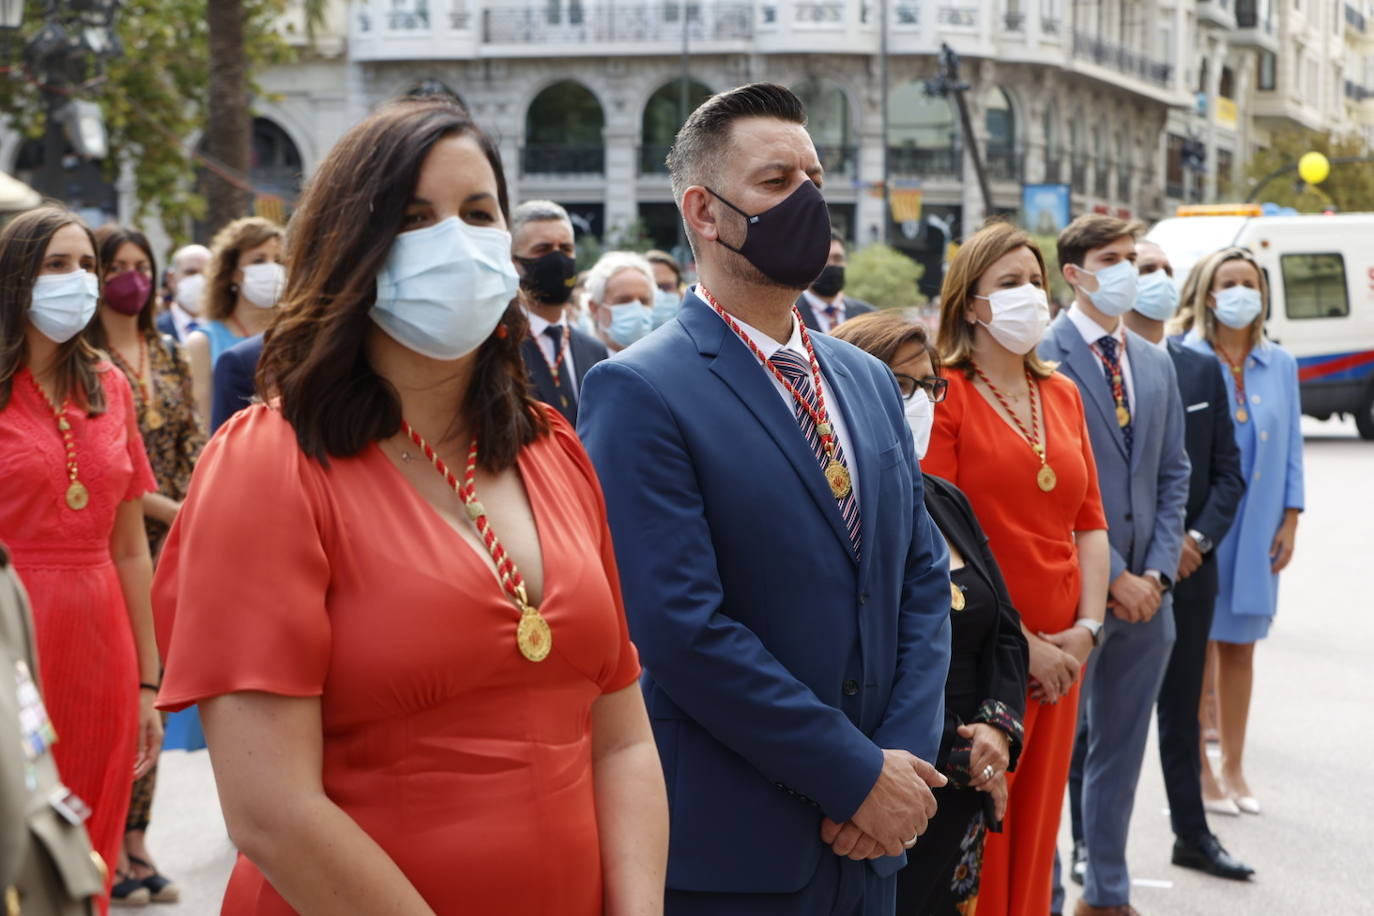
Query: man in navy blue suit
787, 591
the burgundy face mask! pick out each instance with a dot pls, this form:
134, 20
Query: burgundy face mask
790, 242
128, 292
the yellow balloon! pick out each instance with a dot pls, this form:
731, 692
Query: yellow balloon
1314, 167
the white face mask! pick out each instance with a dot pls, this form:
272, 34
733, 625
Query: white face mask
263, 284
920, 416
1116, 288
1019, 317
63, 304
190, 290
444, 288
1157, 295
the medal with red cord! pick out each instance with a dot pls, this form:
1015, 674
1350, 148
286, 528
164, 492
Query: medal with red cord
78, 497
1123, 416
836, 474
533, 635
556, 364
1046, 479
1237, 367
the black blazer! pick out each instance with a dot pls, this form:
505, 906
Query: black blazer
852, 307
1005, 662
235, 373
1217, 484
587, 351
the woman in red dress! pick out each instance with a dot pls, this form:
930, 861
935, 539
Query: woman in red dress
74, 474
407, 716
1010, 434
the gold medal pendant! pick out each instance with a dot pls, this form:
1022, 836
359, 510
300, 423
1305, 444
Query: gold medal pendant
956, 597
837, 475
1123, 416
1046, 479
77, 496
1242, 415
152, 418
533, 635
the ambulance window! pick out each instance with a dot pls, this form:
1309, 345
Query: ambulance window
1314, 286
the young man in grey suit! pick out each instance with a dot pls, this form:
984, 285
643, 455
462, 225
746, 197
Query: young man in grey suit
46, 862
1135, 422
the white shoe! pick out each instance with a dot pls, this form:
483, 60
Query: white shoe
1226, 806
1248, 803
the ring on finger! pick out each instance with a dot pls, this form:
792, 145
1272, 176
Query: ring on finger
911, 842
989, 772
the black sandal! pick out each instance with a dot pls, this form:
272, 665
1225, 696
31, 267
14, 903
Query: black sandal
160, 889
129, 891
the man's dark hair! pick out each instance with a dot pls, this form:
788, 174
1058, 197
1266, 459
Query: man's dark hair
1089, 231
704, 141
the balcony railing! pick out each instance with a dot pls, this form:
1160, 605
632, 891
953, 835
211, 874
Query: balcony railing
1116, 57
1014, 21
1052, 166
1102, 183
1356, 92
1247, 17
1003, 164
908, 13
562, 159
1354, 17
960, 16
623, 23
1049, 25
1123, 184
408, 17
1078, 175
923, 163
826, 13
838, 160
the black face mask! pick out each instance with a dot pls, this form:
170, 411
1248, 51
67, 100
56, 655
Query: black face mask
549, 278
830, 282
789, 243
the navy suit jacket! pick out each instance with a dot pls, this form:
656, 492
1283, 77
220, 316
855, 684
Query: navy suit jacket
235, 372
778, 665
166, 325
1217, 484
1144, 493
852, 307
587, 351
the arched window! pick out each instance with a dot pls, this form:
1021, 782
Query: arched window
1000, 122
1100, 161
921, 133
276, 164
829, 123
564, 132
1078, 155
663, 116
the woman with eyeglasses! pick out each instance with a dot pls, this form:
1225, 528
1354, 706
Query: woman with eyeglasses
1224, 306
985, 692
1011, 434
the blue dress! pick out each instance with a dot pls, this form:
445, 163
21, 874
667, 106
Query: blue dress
1271, 459
221, 338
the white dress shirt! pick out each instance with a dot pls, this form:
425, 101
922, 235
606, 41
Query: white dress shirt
567, 372
768, 346
818, 307
181, 320
1092, 332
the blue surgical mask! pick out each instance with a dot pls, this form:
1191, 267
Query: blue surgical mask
1116, 288
1156, 295
666, 306
63, 304
444, 288
629, 323
1238, 306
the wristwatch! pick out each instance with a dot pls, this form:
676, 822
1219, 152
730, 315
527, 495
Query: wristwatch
1092, 626
1204, 543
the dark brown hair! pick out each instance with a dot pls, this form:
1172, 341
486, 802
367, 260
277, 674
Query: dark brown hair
1089, 231
655, 256
109, 238
315, 358
987, 246
884, 332
24, 241
233, 240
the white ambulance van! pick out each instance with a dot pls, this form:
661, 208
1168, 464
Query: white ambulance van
1320, 271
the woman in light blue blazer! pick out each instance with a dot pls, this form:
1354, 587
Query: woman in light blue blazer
1226, 301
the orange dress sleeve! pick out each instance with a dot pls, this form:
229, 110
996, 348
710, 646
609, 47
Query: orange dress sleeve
1091, 516
626, 669
240, 594
942, 454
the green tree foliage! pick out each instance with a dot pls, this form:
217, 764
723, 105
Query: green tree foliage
1059, 288
883, 276
152, 96
1349, 188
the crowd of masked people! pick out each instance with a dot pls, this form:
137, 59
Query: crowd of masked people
501, 588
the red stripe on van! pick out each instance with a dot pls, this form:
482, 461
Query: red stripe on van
1340, 364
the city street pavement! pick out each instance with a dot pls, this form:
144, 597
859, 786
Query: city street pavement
1308, 755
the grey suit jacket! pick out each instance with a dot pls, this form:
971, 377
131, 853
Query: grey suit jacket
1144, 494
46, 860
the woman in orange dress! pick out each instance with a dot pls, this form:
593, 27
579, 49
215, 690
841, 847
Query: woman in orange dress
407, 717
1010, 434
73, 474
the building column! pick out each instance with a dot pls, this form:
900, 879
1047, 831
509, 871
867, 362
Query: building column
1217, 63
622, 171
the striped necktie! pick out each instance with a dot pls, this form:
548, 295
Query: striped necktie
798, 372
